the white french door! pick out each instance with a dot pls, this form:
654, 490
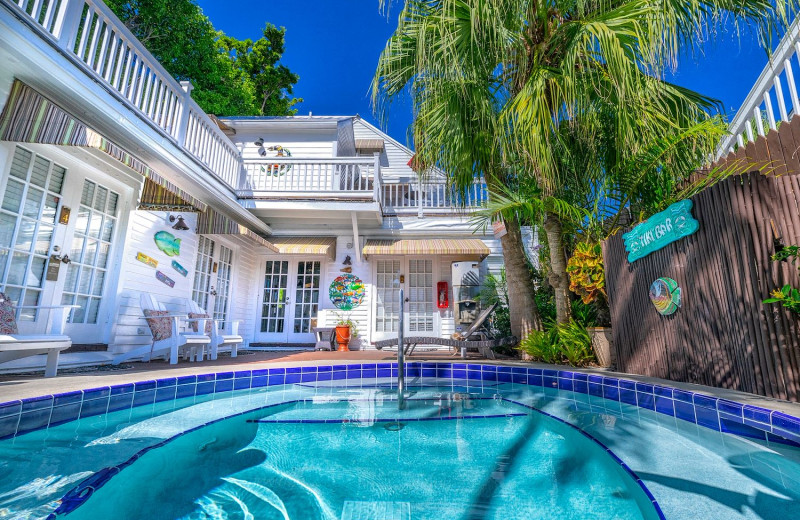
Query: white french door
212, 279
415, 277
289, 301
48, 209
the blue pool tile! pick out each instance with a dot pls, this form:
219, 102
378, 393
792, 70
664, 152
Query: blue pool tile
444, 372
664, 405
627, 395
521, 379
580, 376
146, 385
70, 412
683, 395
594, 378
662, 391
204, 378
684, 410
276, 379
459, 374
411, 371
165, 394
754, 413
259, 381
223, 385
389, 365
473, 366
186, 390
792, 436
426, 372
144, 397
341, 374
782, 440
224, 375
611, 392
732, 424
8, 426
730, 407
565, 384
644, 387
123, 389
260, 373
582, 387
508, 370
185, 380
319, 369
96, 393
69, 398
372, 373
707, 417
533, 380
204, 388
523, 371
247, 374
705, 401
163, 383
460, 366
324, 376
294, 378
535, 371
394, 372
116, 402
37, 403
595, 388
565, 374
95, 406
308, 377
611, 381
305, 370
276, 371
242, 383
786, 422
548, 381
628, 385
34, 420
477, 375
505, 377
354, 373
10, 408
646, 400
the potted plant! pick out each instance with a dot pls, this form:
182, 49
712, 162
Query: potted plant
346, 330
587, 280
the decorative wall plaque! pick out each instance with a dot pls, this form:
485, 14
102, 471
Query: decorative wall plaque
661, 229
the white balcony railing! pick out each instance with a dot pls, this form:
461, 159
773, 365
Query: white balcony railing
353, 178
89, 31
766, 105
431, 196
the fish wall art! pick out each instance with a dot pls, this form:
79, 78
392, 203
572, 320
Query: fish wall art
346, 292
665, 295
167, 243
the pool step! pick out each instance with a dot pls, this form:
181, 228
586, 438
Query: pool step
357, 510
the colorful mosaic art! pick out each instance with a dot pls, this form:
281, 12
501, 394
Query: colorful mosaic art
346, 292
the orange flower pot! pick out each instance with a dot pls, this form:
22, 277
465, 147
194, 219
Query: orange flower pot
343, 337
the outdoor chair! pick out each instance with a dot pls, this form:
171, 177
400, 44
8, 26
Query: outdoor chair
458, 341
219, 339
168, 340
14, 345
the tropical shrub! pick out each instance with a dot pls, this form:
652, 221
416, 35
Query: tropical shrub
787, 296
568, 343
586, 275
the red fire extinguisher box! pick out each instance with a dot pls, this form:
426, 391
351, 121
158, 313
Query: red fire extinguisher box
442, 297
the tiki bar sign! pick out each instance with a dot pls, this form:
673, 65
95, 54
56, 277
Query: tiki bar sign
661, 229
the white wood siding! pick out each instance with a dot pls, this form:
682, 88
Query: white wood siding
318, 143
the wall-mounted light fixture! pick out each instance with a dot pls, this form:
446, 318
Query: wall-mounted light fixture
180, 225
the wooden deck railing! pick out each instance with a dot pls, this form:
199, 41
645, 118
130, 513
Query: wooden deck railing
89, 31
766, 106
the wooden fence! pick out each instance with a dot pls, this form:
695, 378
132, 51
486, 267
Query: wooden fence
722, 335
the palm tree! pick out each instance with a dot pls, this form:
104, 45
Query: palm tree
492, 81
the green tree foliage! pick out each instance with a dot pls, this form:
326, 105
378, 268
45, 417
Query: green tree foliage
230, 76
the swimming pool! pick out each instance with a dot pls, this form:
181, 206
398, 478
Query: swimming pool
474, 442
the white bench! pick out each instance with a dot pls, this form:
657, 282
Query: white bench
16, 346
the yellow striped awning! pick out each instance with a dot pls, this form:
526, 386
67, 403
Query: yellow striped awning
29, 117
212, 223
306, 246
433, 246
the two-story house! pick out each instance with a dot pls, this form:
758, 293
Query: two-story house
114, 182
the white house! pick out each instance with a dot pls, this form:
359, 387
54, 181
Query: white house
101, 150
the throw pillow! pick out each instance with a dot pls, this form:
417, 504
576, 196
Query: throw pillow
160, 324
194, 324
8, 316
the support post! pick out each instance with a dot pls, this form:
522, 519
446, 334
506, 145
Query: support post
356, 241
401, 369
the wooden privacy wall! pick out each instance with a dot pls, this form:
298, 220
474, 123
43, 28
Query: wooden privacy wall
722, 335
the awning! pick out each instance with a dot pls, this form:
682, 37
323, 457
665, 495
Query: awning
156, 198
369, 145
306, 246
212, 223
452, 246
29, 117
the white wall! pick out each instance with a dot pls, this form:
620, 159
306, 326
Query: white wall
309, 142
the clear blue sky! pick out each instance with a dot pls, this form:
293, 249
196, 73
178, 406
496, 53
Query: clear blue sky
334, 45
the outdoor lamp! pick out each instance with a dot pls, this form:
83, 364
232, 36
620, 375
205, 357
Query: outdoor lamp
259, 141
180, 225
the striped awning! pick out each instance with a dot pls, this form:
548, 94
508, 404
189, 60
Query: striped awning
212, 223
306, 246
433, 246
367, 145
29, 117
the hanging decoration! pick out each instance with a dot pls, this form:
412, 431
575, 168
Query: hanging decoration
178, 267
149, 260
166, 280
665, 295
661, 229
346, 292
167, 243
275, 170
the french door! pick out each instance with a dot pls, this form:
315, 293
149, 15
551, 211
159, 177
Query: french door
415, 277
49, 211
289, 301
212, 279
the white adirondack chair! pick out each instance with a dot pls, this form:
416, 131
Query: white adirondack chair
176, 342
52, 342
219, 339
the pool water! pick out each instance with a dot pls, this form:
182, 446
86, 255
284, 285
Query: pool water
459, 450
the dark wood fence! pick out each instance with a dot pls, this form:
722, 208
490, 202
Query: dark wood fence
723, 335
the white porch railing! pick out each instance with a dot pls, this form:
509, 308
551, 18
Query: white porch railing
766, 104
335, 178
89, 31
431, 196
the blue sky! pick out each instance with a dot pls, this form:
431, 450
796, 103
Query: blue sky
334, 45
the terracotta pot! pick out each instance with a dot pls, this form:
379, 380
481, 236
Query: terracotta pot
343, 337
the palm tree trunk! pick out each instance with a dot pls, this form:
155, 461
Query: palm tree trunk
558, 267
522, 310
